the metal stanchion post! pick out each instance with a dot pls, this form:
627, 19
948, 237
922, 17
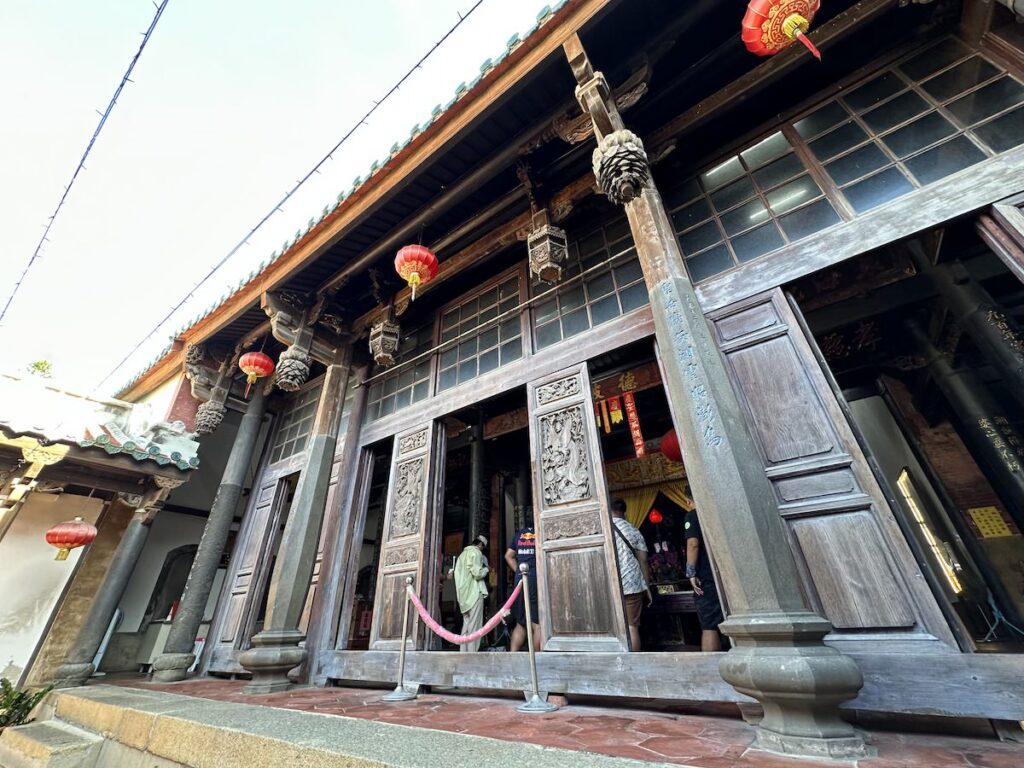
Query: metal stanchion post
400, 693
536, 704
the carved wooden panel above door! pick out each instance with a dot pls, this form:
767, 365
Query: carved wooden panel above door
406, 533
579, 597
856, 567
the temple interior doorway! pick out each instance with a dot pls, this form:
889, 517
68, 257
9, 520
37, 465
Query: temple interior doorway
920, 342
632, 415
487, 493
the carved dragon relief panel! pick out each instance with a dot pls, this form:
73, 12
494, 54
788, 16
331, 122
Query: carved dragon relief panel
405, 515
572, 526
556, 390
564, 459
412, 442
400, 555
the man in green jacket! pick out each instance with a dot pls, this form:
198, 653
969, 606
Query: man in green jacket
471, 571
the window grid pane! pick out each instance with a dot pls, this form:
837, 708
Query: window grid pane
402, 385
294, 425
479, 353
604, 294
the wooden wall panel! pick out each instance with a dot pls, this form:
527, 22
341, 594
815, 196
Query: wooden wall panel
406, 534
580, 599
857, 568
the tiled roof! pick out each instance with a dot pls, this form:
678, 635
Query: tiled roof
376, 167
32, 407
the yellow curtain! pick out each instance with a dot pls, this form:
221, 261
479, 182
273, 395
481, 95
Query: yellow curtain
677, 492
638, 502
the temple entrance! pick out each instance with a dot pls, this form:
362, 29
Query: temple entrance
922, 341
367, 539
487, 492
632, 415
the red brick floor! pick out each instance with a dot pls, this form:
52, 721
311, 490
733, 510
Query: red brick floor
662, 736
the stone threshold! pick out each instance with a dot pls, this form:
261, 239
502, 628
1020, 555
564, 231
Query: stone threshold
202, 733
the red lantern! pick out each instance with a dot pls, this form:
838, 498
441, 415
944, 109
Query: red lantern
771, 25
255, 366
416, 264
655, 516
670, 446
70, 535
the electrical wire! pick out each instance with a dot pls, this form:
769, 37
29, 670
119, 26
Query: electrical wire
295, 188
125, 79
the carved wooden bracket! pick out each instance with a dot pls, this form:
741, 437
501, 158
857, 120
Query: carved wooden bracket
309, 330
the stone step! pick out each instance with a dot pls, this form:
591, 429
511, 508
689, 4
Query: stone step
49, 744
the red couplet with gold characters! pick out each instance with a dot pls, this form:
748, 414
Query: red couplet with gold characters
771, 25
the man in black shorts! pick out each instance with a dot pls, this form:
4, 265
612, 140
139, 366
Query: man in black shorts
698, 571
524, 550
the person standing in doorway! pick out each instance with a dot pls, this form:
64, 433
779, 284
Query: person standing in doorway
471, 571
634, 571
524, 550
698, 571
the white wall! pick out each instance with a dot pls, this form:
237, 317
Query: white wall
31, 580
170, 530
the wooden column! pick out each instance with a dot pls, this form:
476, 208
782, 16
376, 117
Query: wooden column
276, 649
778, 655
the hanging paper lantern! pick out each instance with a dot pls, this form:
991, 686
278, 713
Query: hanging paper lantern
70, 535
670, 446
416, 265
255, 366
655, 516
771, 25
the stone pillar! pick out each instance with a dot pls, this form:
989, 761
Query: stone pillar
276, 649
988, 325
778, 656
476, 477
177, 657
77, 666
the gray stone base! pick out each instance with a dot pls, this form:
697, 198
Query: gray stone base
269, 660
172, 667
850, 748
70, 674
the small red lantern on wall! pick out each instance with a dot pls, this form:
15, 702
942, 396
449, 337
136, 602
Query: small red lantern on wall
655, 516
255, 366
771, 25
416, 264
69, 535
670, 446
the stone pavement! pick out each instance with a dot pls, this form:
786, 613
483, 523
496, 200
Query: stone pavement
657, 735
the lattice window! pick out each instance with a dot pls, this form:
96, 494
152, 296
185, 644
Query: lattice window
406, 384
294, 425
931, 114
495, 344
602, 295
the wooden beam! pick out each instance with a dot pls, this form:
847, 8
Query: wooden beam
775, 67
968, 190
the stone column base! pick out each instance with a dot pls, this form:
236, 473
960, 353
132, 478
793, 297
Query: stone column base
172, 667
779, 659
273, 654
72, 674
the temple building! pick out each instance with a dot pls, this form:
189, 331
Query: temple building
808, 273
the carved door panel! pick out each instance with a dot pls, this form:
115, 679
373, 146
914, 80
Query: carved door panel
329, 510
580, 597
856, 566
407, 518
236, 597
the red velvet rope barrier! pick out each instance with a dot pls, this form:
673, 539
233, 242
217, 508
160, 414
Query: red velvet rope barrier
440, 631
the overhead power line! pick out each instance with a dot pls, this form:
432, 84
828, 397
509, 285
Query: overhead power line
125, 79
295, 188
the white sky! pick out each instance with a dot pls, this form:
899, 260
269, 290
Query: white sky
232, 102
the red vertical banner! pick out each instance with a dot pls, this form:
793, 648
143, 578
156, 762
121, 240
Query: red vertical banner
634, 424
615, 408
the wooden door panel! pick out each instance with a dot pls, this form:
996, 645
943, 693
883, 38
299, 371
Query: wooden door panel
856, 566
580, 599
405, 535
